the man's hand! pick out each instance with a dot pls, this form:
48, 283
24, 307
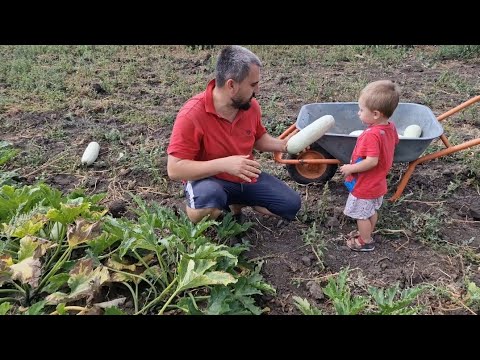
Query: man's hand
241, 166
285, 142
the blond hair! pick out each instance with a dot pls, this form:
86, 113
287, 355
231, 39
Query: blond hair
381, 95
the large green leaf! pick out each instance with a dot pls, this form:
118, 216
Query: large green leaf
68, 212
218, 304
192, 274
211, 251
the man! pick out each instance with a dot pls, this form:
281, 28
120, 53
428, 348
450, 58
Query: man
212, 142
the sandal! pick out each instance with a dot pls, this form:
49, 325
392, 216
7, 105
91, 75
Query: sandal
357, 244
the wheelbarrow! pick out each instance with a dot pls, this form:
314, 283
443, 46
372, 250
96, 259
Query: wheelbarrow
320, 162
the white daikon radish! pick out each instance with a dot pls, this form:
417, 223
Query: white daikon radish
91, 153
356, 133
413, 131
309, 134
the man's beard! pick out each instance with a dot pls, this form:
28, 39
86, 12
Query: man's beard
242, 105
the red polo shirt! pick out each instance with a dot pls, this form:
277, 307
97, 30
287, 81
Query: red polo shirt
376, 141
200, 134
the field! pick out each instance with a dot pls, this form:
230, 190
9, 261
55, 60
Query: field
112, 237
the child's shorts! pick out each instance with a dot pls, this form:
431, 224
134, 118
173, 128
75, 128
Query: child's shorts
361, 209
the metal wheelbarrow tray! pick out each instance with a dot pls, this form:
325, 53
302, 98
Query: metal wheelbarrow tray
320, 162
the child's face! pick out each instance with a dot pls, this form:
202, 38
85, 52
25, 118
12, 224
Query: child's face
366, 115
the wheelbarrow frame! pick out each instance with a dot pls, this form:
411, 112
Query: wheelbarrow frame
450, 149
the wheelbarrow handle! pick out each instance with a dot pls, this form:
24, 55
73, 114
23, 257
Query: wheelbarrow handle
458, 108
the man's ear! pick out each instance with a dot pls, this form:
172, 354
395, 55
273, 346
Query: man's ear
230, 84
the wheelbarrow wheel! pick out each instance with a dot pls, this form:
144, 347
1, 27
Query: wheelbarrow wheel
308, 173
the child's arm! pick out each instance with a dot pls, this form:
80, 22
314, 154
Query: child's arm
364, 165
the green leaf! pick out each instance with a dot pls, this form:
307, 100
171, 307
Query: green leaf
304, 306
211, 251
61, 309
4, 307
189, 306
56, 282
114, 311
229, 227
36, 309
217, 304
192, 274
102, 242
27, 248
68, 212
29, 227
244, 288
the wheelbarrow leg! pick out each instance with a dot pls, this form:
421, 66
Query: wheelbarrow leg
413, 164
404, 181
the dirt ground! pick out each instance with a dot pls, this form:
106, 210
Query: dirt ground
420, 239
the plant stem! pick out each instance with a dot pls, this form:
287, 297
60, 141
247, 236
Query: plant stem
55, 268
109, 254
55, 254
19, 287
168, 301
5, 299
134, 275
157, 299
134, 295
7, 291
149, 270
70, 308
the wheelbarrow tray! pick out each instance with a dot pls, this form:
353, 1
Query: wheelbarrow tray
340, 145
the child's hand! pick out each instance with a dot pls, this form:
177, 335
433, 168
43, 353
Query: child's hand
346, 169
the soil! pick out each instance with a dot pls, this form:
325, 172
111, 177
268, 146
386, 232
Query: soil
408, 255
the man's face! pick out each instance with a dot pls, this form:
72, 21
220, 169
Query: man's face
247, 88
241, 103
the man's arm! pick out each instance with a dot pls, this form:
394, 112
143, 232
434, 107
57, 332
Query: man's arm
271, 144
238, 165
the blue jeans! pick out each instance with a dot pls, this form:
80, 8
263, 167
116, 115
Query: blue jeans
268, 192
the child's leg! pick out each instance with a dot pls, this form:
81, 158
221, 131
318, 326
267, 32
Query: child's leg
373, 221
364, 212
365, 229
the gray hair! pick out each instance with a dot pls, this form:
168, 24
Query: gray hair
234, 63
